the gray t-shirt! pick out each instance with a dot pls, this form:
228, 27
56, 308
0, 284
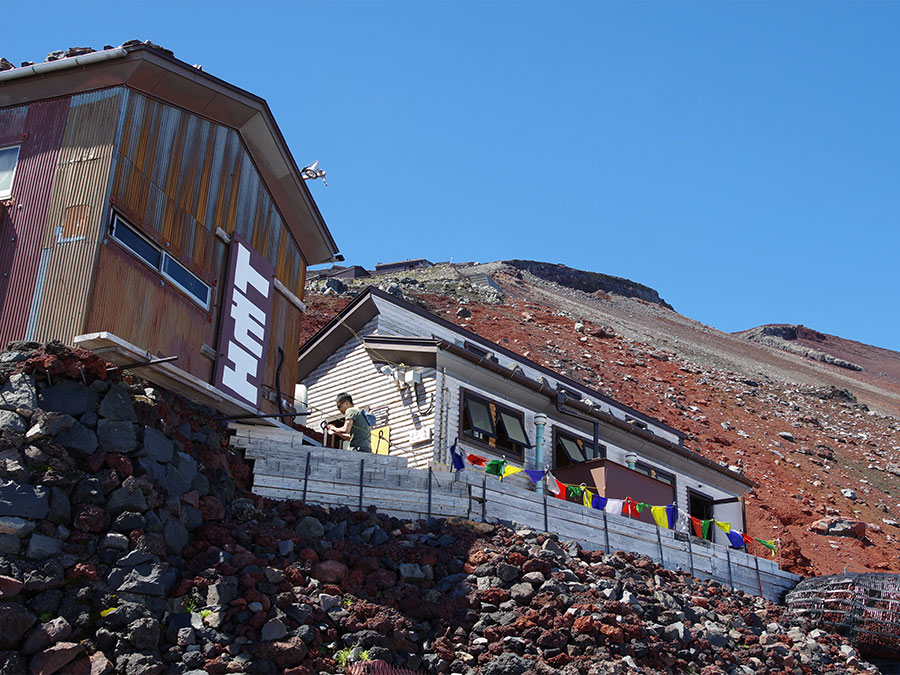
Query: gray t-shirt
360, 432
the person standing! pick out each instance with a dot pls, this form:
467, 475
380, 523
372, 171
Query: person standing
356, 427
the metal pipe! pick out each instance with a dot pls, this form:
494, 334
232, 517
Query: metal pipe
540, 421
62, 64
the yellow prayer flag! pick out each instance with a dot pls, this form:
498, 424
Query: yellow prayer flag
587, 497
660, 516
509, 471
725, 527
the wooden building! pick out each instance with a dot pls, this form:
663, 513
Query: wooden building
149, 209
430, 384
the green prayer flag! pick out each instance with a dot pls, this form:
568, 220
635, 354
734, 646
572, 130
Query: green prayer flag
768, 544
641, 506
573, 491
706, 524
495, 467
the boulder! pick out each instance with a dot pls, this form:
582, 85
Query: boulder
46, 635
18, 392
274, 629
129, 497
834, 526
16, 526
27, 501
116, 436
330, 572
117, 405
157, 446
15, 621
9, 587
11, 421
77, 438
40, 547
69, 397
310, 528
54, 658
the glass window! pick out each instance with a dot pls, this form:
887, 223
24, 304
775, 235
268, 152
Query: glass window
186, 280
129, 237
480, 418
8, 159
512, 424
653, 472
571, 447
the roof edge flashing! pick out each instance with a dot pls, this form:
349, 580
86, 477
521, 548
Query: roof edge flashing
62, 64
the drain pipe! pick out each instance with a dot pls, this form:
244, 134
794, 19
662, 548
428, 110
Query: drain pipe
540, 421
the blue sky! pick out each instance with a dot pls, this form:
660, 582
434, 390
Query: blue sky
739, 157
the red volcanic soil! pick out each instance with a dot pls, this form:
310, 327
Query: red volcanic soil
731, 397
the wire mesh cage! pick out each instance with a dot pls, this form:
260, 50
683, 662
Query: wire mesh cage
862, 607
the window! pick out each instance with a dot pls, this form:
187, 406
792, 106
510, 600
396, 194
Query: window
653, 472
129, 237
571, 449
700, 506
161, 261
494, 425
185, 279
9, 157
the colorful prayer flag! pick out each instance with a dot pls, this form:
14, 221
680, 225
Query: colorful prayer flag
735, 537
672, 513
660, 516
641, 506
630, 508
477, 460
598, 502
573, 491
495, 467
588, 497
614, 506
536, 475
556, 488
769, 544
701, 527
725, 527
457, 458
510, 471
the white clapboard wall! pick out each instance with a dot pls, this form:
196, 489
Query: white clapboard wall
284, 468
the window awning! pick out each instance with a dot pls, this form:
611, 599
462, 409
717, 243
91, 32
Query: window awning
514, 429
480, 416
571, 448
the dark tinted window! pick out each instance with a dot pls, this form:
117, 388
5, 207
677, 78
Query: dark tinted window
186, 279
136, 243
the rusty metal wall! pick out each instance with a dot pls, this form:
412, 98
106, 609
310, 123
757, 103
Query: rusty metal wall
179, 177
38, 129
285, 333
77, 207
160, 318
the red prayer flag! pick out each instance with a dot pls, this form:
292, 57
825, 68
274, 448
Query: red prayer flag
630, 508
560, 490
698, 526
747, 539
477, 460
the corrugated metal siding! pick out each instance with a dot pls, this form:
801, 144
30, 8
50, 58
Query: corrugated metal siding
160, 318
351, 369
23, 222
76, 211
285, 333
181, 176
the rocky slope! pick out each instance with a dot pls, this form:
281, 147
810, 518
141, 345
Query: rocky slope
820, 439
128, 544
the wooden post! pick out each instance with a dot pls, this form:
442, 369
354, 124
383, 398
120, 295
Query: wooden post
306, 477
728, 557
690, 553
606, 532
429, 494
758, 577
662, 560
546, 521
362, 466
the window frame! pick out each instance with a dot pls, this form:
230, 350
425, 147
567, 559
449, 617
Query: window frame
7, 195
652, 472
700, 496
587, 446
163, 256
517, 451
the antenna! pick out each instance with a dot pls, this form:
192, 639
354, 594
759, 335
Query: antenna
312, 172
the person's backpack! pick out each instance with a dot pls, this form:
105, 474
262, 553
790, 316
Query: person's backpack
370, 418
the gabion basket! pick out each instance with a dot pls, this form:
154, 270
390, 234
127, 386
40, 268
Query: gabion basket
865, 608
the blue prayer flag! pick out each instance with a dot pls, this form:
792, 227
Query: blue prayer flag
536, 475
736, 539
458, 464
598, 502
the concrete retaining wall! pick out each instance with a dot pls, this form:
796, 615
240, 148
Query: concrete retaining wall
285, 468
